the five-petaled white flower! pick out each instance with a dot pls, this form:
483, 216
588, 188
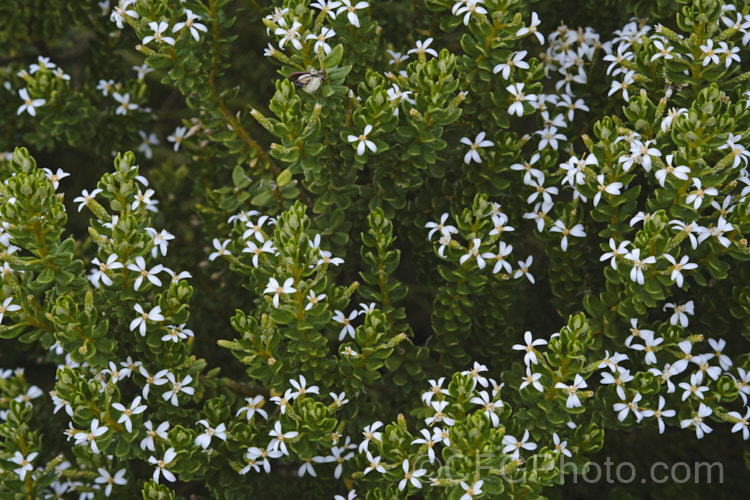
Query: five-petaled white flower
24, 462
177, 387
140, 322
158, 29
513, 446
221, 249
422, 48
204, 440
29, 105
56, 176
90, 437
161, 465
519, 96
410, 476
532, 28
191, 25
320, 40
530, 357
85, 198
109, 480
252, 407
278, 443
472, 491
135, 408
8, 306
351, 10
125, 104
572, 391
348, 329
139, 266
363, 141
479, 142
701, 427
277, 290
515, 61
151, 433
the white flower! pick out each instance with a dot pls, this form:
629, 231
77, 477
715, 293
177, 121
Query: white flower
158, 29
142, 198
252, 248
370, 433
478, 142
24, 462
561, 447
701, 427
440, 226
490, 407
140, 267
100, 272
680, 312
320, 40
160, 241
348, 329
135, 408
140, 322
571, 390
560, 227
677, 268
515, 61
530, 357
474, 252
177, 387
617, 251
96, 431
422, 48
680, 171
302, 389
55, 177
85, 198
275, 288
221, 249
439, 416
649, 343
627, 81
147, 140
29, 105
710, 54
499, 258
659, 413
110, 481
519, 97
252, 407
125, 104
532, 28
694, 387
523, 269
742, 423
177, 333
718, 347
636, 273
531, 379
191, 24
157, 379
177, 137
613, 188
475, 372
151, 433
204, 440
472, 491
363, 141
373, 464
290, 35
8, 306
161, 465
278, 443
513, 446
625, 407
351, 10
410, 476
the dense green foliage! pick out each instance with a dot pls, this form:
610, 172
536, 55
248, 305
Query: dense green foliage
334, 266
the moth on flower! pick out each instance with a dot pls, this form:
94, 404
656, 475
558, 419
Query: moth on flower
309, 81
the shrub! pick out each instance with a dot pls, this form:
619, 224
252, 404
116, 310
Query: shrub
374, 232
